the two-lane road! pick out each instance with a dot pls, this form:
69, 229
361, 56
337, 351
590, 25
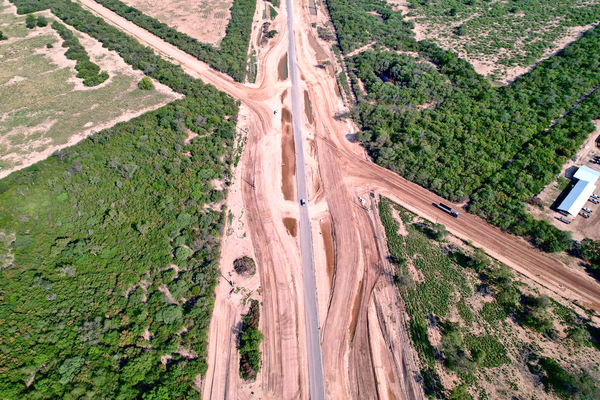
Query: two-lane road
311, 316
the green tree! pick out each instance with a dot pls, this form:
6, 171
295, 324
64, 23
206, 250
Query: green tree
30, 21
70, 368
460, 393
146, 83
41, 21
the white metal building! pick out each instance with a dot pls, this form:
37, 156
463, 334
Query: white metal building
585, 186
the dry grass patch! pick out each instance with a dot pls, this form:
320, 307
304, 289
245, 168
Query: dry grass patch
203, 20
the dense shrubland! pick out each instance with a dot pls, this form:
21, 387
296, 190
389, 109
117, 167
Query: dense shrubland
358, 23
109, 248
429, 116
89, 235
472, 129
502, 199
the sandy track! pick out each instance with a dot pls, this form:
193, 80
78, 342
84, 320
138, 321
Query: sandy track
364, 354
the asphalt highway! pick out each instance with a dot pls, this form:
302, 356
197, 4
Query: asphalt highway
311, 316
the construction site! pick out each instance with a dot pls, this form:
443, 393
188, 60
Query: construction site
305, 203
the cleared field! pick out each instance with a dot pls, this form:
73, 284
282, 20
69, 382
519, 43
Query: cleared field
45, 106
203, 20
502, 38
478, 328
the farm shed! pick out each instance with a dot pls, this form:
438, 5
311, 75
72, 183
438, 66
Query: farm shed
580, 193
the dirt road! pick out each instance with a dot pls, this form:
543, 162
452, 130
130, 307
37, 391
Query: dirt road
361, 357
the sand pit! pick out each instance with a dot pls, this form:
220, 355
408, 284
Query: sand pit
291, 225
288, 164
282, 68
308, 109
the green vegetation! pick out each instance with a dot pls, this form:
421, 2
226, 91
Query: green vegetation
502, 199
272, 12
128, 196
30, 21
245, 266
469, 130
459, 294
88, 71
430, 117
250, 338
3, 36
356, 26
41, 21
564, 384
57, 108
91, 305
146, 84
511, 33
275, 2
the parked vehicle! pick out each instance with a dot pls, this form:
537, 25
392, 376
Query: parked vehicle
587, 210
593, 201
584, 215
447, 209
566, 221
594, 196
566, 214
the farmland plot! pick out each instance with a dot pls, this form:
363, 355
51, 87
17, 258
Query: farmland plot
203, 20
46, 107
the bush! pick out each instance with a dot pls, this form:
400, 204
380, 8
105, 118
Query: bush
146, 84
250, 338
2, 37
87, 70
30, 21
41, 21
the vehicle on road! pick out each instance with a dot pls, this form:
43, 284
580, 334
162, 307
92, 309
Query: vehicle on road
446, 209
302, 202
566, 221
584, 215
587, 210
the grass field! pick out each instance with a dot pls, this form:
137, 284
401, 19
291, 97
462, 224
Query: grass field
503, 37
202, 20
473, 322
45, 107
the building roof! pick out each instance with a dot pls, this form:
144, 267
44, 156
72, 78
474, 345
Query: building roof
587, 174
582, 190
